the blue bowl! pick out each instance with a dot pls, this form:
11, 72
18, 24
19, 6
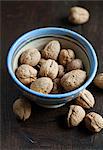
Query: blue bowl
68, 39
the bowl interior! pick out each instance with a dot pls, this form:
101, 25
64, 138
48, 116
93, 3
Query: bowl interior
66, 42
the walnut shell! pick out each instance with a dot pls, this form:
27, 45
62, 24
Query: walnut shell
78, 15
42, 60
66, 56
60, 71
75, 64
98, 81
56, 86
85, 99
51, 50
26, 74
30, 57
49, 69
73, 79
75, 115
22, 109
42, 85
94, 122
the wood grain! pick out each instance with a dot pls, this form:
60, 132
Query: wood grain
45, 129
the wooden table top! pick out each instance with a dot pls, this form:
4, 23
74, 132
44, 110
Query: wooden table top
45, 130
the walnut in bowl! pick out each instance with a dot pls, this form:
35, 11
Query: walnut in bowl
68, 40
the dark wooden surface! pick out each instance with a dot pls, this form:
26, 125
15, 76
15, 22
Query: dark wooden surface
45, 129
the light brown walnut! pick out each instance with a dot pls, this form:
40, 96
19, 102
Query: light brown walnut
85, 99
98, 81
61, 71
51, 50
75, 115
30, 57
66, 56
43, 85
94, 122
73, 79
22, 109
26, 74
56, 86
74, 64
78, 15
49, 69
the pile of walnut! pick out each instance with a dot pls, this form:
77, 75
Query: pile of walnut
93, 121
51, 70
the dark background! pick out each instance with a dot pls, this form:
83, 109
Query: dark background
45, 129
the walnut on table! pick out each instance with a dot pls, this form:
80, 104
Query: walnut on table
75, 115
85, 99
22, 109
98, 80
78, 15
94, 122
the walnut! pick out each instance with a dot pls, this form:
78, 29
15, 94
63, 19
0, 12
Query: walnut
60, 71
66, 56
94, 122
42, 85
98, 81
75, 116
49, 69
56, 86
78, 15
30, 57
51, 50
74, 64
22, 109
73, 79
26, 74
85, 99
42, 60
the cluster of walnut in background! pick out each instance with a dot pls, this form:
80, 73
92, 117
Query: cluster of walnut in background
51, 70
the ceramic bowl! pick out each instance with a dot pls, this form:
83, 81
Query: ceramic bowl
68, 39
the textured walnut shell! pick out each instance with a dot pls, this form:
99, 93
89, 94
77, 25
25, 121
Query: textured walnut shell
66, 56
94, 122
26, 74
60, 71
75, 115
42, 60
85, 99
56, 86
98, 81
30, 57
78, 15
51, 50
22, 109
49, 69
73, 79
42, 85
75, 64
